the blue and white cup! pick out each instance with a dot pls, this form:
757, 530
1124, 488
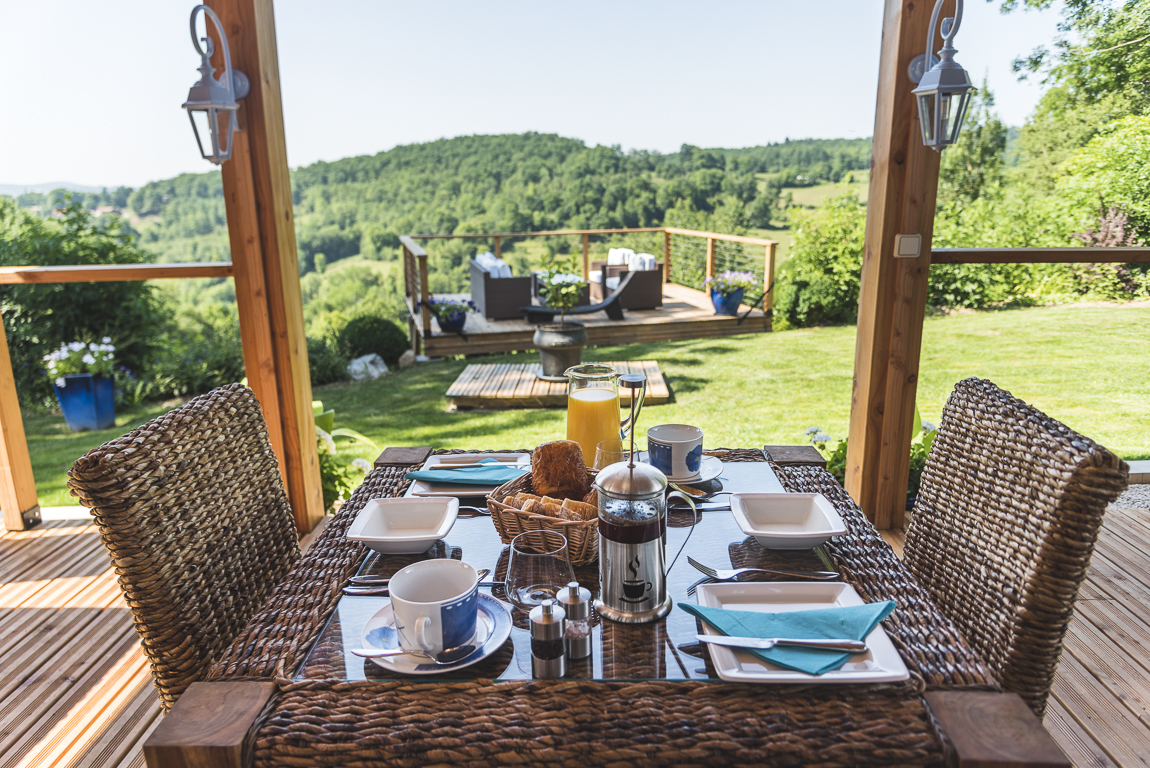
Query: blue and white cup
676, 450
435, 603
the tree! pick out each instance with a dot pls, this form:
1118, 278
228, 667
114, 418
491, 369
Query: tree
974, 165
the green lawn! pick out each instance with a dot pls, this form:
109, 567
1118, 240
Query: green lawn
1083, 365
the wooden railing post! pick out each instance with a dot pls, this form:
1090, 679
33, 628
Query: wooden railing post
769, 279
587, 256
710, 257
666, 256
18, 501
498, 248
424, 295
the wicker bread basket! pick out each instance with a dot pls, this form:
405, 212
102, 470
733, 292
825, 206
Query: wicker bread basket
582, 535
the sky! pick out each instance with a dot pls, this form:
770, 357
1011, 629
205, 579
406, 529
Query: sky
92, 91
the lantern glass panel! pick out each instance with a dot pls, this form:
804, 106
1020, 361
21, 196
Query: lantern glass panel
224, 124
962, 101
926, 117
203, 129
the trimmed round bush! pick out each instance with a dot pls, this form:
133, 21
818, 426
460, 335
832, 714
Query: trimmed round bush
373, 334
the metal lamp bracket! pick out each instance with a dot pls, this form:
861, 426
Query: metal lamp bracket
240, 84
918, 67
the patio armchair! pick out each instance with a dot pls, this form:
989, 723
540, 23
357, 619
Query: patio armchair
1004, 525
644, 292
193, 513
498, 296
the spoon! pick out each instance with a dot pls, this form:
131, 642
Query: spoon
697, 493
446, 656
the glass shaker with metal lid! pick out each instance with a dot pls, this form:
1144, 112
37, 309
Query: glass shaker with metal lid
633, 536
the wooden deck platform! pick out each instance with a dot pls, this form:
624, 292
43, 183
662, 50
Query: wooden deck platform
514, 385
686, 314
75, 691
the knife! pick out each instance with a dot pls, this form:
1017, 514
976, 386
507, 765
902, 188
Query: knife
766, 644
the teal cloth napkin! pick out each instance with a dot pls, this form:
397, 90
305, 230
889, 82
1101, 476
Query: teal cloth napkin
498, 474
851, 623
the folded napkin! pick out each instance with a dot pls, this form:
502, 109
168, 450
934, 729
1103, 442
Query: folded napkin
497, 474
851, 623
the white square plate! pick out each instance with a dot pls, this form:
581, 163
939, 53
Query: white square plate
879, 664
421, 488
403, 526
787, 520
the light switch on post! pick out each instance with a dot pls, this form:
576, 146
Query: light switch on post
907, 246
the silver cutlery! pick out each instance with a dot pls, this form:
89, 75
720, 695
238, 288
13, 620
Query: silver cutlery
724, 575
446, 656
766, 644
695, 493
474, 511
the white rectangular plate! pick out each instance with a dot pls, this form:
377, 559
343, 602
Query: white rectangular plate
879, 664
421, 488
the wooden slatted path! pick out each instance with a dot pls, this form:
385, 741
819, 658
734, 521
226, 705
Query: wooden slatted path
514, 385
75, 691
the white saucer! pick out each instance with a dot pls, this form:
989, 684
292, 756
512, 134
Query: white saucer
492, 628
709, 468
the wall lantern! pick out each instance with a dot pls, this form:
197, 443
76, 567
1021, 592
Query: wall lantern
944, 90
212, 102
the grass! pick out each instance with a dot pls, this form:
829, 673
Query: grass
1084, 365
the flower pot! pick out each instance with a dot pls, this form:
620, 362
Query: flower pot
560, 346
453, 323
88, 402
728, 304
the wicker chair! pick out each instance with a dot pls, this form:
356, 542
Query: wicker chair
1004, 526
192, 510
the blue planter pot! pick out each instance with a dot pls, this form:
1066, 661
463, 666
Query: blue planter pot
88, 402
453, 323
729, 304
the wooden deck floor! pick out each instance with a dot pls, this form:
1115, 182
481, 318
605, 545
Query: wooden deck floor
75, 689
686, 314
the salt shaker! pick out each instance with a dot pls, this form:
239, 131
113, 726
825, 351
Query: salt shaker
548, 622
576, 602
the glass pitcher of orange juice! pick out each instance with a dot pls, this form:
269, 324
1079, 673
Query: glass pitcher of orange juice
593, 407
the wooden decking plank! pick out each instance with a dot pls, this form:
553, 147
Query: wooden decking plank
526, 380
491, 386
25, 556
461, 384
1121, 735
510, 385
118, 737
1111, 664
1078, 745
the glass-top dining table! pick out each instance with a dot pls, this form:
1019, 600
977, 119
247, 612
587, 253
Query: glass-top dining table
648, 694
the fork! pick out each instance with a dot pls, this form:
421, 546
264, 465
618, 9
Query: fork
734, 574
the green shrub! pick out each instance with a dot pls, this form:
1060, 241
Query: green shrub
819, 283
373, 334
199, 351
325, 361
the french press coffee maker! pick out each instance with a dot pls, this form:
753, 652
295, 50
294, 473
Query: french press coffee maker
633, 534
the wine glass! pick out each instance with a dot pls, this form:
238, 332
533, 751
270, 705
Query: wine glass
610, 451
539, 567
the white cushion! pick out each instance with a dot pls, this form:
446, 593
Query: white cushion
502, 269
619, 256
486, 260
612, 283
643, 262
595, 275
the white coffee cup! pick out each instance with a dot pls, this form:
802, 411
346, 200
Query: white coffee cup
676, 450
435, 603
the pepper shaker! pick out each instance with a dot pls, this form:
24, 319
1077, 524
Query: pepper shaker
548, 622
576, 602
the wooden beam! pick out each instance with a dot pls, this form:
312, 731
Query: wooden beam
208, 726
710, 257
1040, 256
586, 256
250, 26
18, 501
498, 247
541, 233
717, 236
769, 278
107, 273
666, 256
902, 187
984, 729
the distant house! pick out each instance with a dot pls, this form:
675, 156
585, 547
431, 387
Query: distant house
101, 210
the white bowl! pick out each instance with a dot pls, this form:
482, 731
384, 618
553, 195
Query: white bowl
786, 520
405, 526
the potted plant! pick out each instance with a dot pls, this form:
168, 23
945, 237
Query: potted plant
728, 289
451, 314
82, 379
560, 344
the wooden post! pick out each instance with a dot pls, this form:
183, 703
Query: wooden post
587, 258
666, 256
892, 299
769, 279
18, 501
498, 248
424, 294
710, 257
250, 26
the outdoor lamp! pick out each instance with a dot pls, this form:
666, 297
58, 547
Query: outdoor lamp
212, 102
944, 90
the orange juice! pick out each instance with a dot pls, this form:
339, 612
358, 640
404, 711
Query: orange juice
592, 416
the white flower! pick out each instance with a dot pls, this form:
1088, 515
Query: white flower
929, 426
813, 430
61, 383
52, 366
89, 360
107, 339
92, 346
822, 437
363, 465
75, 346
326, 439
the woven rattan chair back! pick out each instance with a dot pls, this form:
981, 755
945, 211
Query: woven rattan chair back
1004, 525
192, 510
